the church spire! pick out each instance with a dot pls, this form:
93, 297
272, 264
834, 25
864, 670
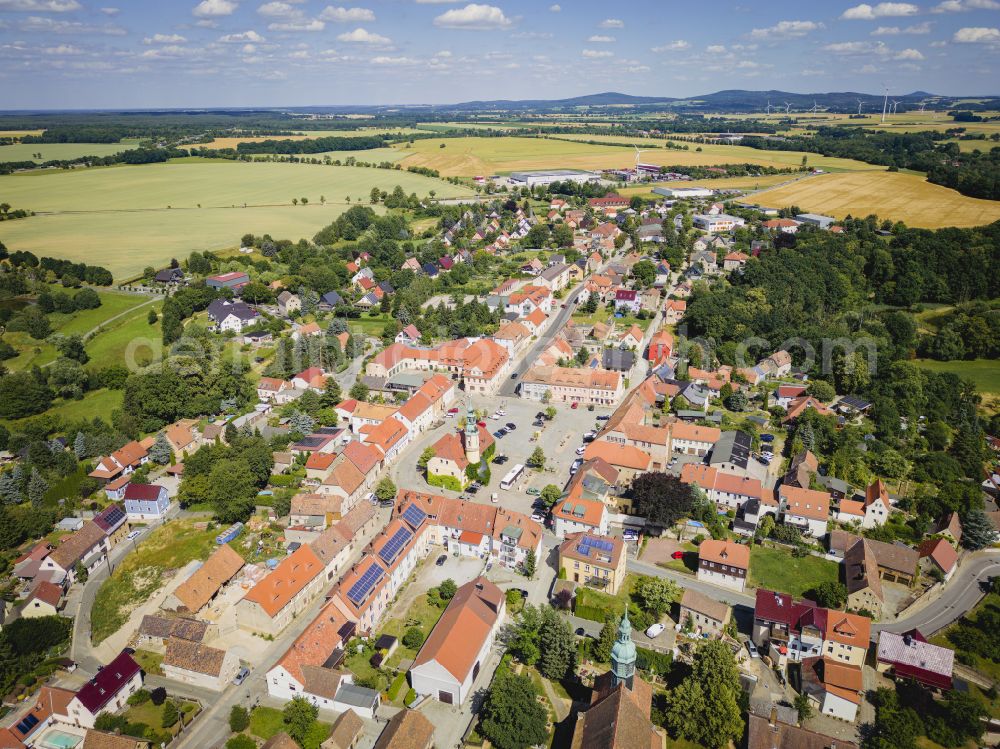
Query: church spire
623, 654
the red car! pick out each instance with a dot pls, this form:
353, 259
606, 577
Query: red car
574, 405
677, 555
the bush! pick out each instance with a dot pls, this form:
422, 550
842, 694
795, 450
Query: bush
413, 638
170, 715
158, 696
241, 742
650, 660
410, 698
445, 482
139, 698
239, 719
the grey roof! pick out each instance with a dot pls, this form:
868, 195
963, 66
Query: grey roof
553, 271
732, 447
331, 298
220, 309
911, 651
618, 359
352, 694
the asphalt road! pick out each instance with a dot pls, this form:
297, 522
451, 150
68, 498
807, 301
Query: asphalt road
960, 595
509, 388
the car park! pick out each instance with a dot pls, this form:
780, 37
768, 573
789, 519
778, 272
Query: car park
655, 630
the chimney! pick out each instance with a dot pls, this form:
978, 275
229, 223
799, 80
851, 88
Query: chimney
773, 719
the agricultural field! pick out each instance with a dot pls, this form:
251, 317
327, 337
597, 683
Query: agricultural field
985, 373
746, 184
370, 155
60, 151
19, 133
893, 195
129, 217
234, 141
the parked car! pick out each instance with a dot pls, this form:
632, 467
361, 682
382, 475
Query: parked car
575, 405
538, 424
511, 426
677, 555
500, 434
441, 560
534, 492
752, 649
386, 503
537, 517
630, 535
603, 418
580, 632
500, 459
134, 534
655, 630
372, 498
241, 675
590, 407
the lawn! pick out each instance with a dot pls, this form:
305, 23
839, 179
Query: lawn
777, 569
892, 195
95, 403
604, 315
129, 334
985, 373
126, 218
151, 662
38, 353
58, 152
142, 573
598, 606
265, 722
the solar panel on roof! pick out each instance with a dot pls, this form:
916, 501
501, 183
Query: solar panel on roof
587, 543
114, 514
414, 516
360, 590
394, 545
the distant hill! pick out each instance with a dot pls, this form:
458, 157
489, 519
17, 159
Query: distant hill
606, 99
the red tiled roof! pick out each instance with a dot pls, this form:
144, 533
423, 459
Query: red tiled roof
286, 581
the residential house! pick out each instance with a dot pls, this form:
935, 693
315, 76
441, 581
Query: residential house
289, 303
950, 526
724, 563
674, 311
227, 315
43, 600
199, 665
938, 554
408, 336
702, 614
572, 385
717, 223
806, 509
764, 733
691, 439
124, 460
330, 300
834, 688
910, 656
407, 729
275, 601
449, 662
555, 277
580, 515
155, 631
627, 300
783, 225
87, 547
802, 468
661, 346
183, 438
312, 378
144, 502
51, 707
108, 691
867, 563
725, 489
594, 560
204, 584
734, 261
872, 512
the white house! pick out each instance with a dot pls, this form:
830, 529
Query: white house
146, 502
107, 692
580, 515
724, 563
232, 316
720, 222
807, 509
450, 660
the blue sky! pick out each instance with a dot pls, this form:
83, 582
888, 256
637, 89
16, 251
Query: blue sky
206, 53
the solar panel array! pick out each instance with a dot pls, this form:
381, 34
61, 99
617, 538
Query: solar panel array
414, 516
114, 515
27, 724
587, 543
394, 545
360, 590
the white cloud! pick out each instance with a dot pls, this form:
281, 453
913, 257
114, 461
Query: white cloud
637, 69
394, 61
214, 8
241, 38
856, 48
474, 16
866, 12
62, 50
363, 36
248, 49
917, 28
960, 6
977, 35
347, 15
164, 39
302, 24
279, 9
675, 46
601, 39
111, 11
555, 8
716, 49
595, 54
612, 23
532, 35
169, 52
786, 30
52, 26
40, 6
909, 54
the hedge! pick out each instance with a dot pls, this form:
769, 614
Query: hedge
447, 482
396, 687
410, 698
650, 660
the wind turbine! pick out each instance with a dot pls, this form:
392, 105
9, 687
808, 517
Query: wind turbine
638, 153
860, 104
885, 103
815, 107
923, 105
768, 107
894, 105
787, 107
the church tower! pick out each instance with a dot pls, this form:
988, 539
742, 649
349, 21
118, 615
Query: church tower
623, 655
471, 436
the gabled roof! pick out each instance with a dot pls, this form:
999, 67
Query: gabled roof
940, 552
725, 552
217, 570
286, 581
407, 729
194, 656
100, 690
463, 628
